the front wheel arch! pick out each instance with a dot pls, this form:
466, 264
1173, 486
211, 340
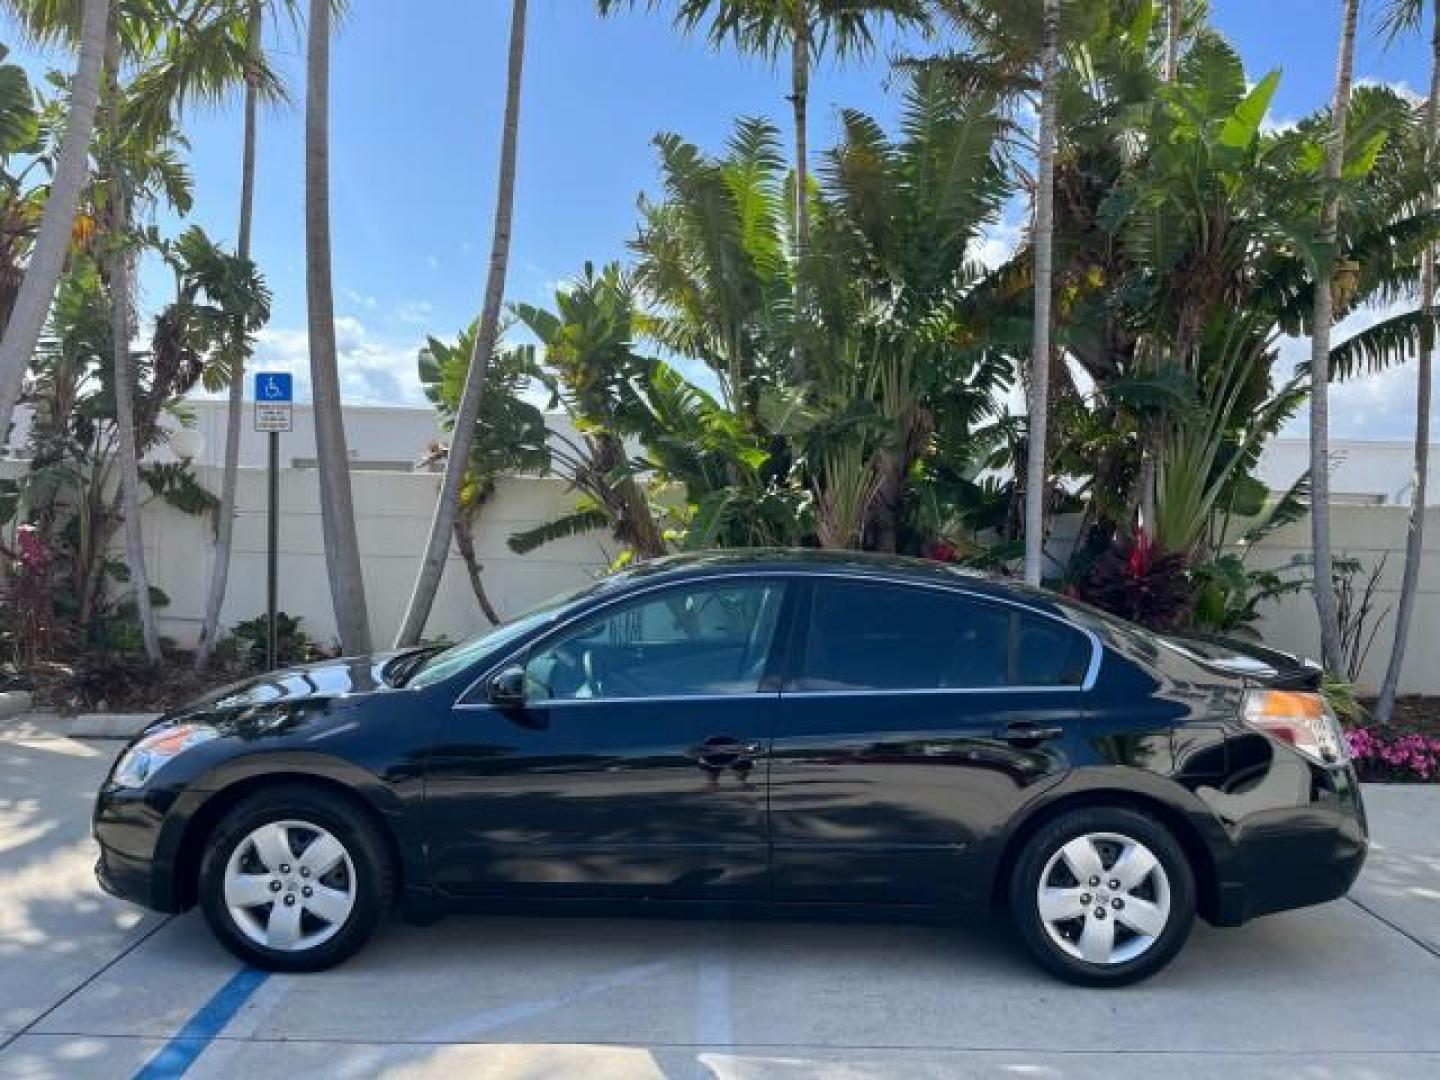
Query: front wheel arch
191, 849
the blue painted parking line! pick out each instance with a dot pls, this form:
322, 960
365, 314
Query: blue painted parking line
176, 1056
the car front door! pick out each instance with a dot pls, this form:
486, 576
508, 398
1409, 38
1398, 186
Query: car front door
636, 763
915, 722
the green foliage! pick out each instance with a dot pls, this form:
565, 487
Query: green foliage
19, 119
248, 643
510, 433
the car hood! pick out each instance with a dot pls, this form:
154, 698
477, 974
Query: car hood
329, 679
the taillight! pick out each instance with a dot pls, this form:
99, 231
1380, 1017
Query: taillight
1303, 720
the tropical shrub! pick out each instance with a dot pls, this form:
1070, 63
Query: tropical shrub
1138, 580
248, 641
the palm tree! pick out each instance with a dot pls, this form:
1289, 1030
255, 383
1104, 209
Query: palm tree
1325, 603
337, 509
510, 435
225, 531
183, 52
803, 29
1400, 16
71, 170
1171, 64
1042, 242
121, 333
447, 506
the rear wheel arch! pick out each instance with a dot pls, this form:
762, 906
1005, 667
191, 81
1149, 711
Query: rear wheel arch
1197, 851
190, 852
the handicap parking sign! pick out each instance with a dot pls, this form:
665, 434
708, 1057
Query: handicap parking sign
274, 387
274, 397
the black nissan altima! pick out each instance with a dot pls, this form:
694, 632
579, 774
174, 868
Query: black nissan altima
762, 729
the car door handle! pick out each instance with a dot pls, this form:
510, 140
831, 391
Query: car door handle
1025, 732
722, 751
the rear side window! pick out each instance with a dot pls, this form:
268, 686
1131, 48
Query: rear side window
876, 636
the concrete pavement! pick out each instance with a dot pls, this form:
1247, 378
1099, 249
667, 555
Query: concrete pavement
89, 987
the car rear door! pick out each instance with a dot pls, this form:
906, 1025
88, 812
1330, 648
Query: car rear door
636, 765
914, 723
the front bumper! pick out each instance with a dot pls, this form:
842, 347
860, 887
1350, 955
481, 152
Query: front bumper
138, 838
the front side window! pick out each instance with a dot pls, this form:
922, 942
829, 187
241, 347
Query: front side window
711, 638
875, 636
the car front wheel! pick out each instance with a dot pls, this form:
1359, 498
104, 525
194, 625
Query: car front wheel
295, 879
1103, 896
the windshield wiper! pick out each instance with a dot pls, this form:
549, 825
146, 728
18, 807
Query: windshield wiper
399, 670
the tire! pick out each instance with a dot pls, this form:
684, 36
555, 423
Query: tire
328, 899
1145, 921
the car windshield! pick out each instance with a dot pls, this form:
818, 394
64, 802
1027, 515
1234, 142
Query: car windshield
441, 665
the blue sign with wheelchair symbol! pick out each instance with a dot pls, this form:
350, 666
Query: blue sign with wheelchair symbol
274, 387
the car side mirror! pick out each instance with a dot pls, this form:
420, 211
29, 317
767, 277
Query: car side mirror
507, 688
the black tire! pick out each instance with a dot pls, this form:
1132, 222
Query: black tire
373, 880
1025, 904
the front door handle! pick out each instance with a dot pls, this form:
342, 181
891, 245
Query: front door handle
724, 752
1025, 733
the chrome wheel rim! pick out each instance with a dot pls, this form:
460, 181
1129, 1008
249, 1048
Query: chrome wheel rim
1104, 898
290, 886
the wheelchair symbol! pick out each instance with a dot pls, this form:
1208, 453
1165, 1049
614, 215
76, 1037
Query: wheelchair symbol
274, 386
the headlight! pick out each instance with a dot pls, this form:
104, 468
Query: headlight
148, 756
1303, 720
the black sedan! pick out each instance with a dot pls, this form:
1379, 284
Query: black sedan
762, 729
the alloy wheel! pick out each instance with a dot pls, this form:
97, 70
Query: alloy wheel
290, 886
1104, 898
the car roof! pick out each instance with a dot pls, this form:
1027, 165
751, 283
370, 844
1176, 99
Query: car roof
857, 564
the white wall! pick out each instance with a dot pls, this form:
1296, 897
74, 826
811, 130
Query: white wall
392, 513
1366, 534
1361, 471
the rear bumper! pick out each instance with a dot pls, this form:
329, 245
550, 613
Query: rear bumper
1297, 856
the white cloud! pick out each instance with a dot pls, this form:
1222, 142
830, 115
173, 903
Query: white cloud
1380, 406
432, 261
372, 371
359, 299
997, 242
1274, 125
415, 312
1400, 86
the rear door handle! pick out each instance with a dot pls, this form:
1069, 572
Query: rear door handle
723, 751
1025, 732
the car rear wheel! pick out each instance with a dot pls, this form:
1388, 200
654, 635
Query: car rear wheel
295, 879
1103, 896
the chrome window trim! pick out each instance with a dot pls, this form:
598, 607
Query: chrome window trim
1092, 671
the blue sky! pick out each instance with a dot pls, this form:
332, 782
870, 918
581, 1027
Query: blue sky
416, 100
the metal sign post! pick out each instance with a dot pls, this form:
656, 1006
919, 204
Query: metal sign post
274, 408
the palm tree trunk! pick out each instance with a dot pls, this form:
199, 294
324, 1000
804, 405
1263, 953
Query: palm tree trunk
465, 544
800, 103
225, 533
337, 511
127, 441
53, 241
1039, 405
1149, 436
1172, 40
1415, 540
1325, 605
432, 566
